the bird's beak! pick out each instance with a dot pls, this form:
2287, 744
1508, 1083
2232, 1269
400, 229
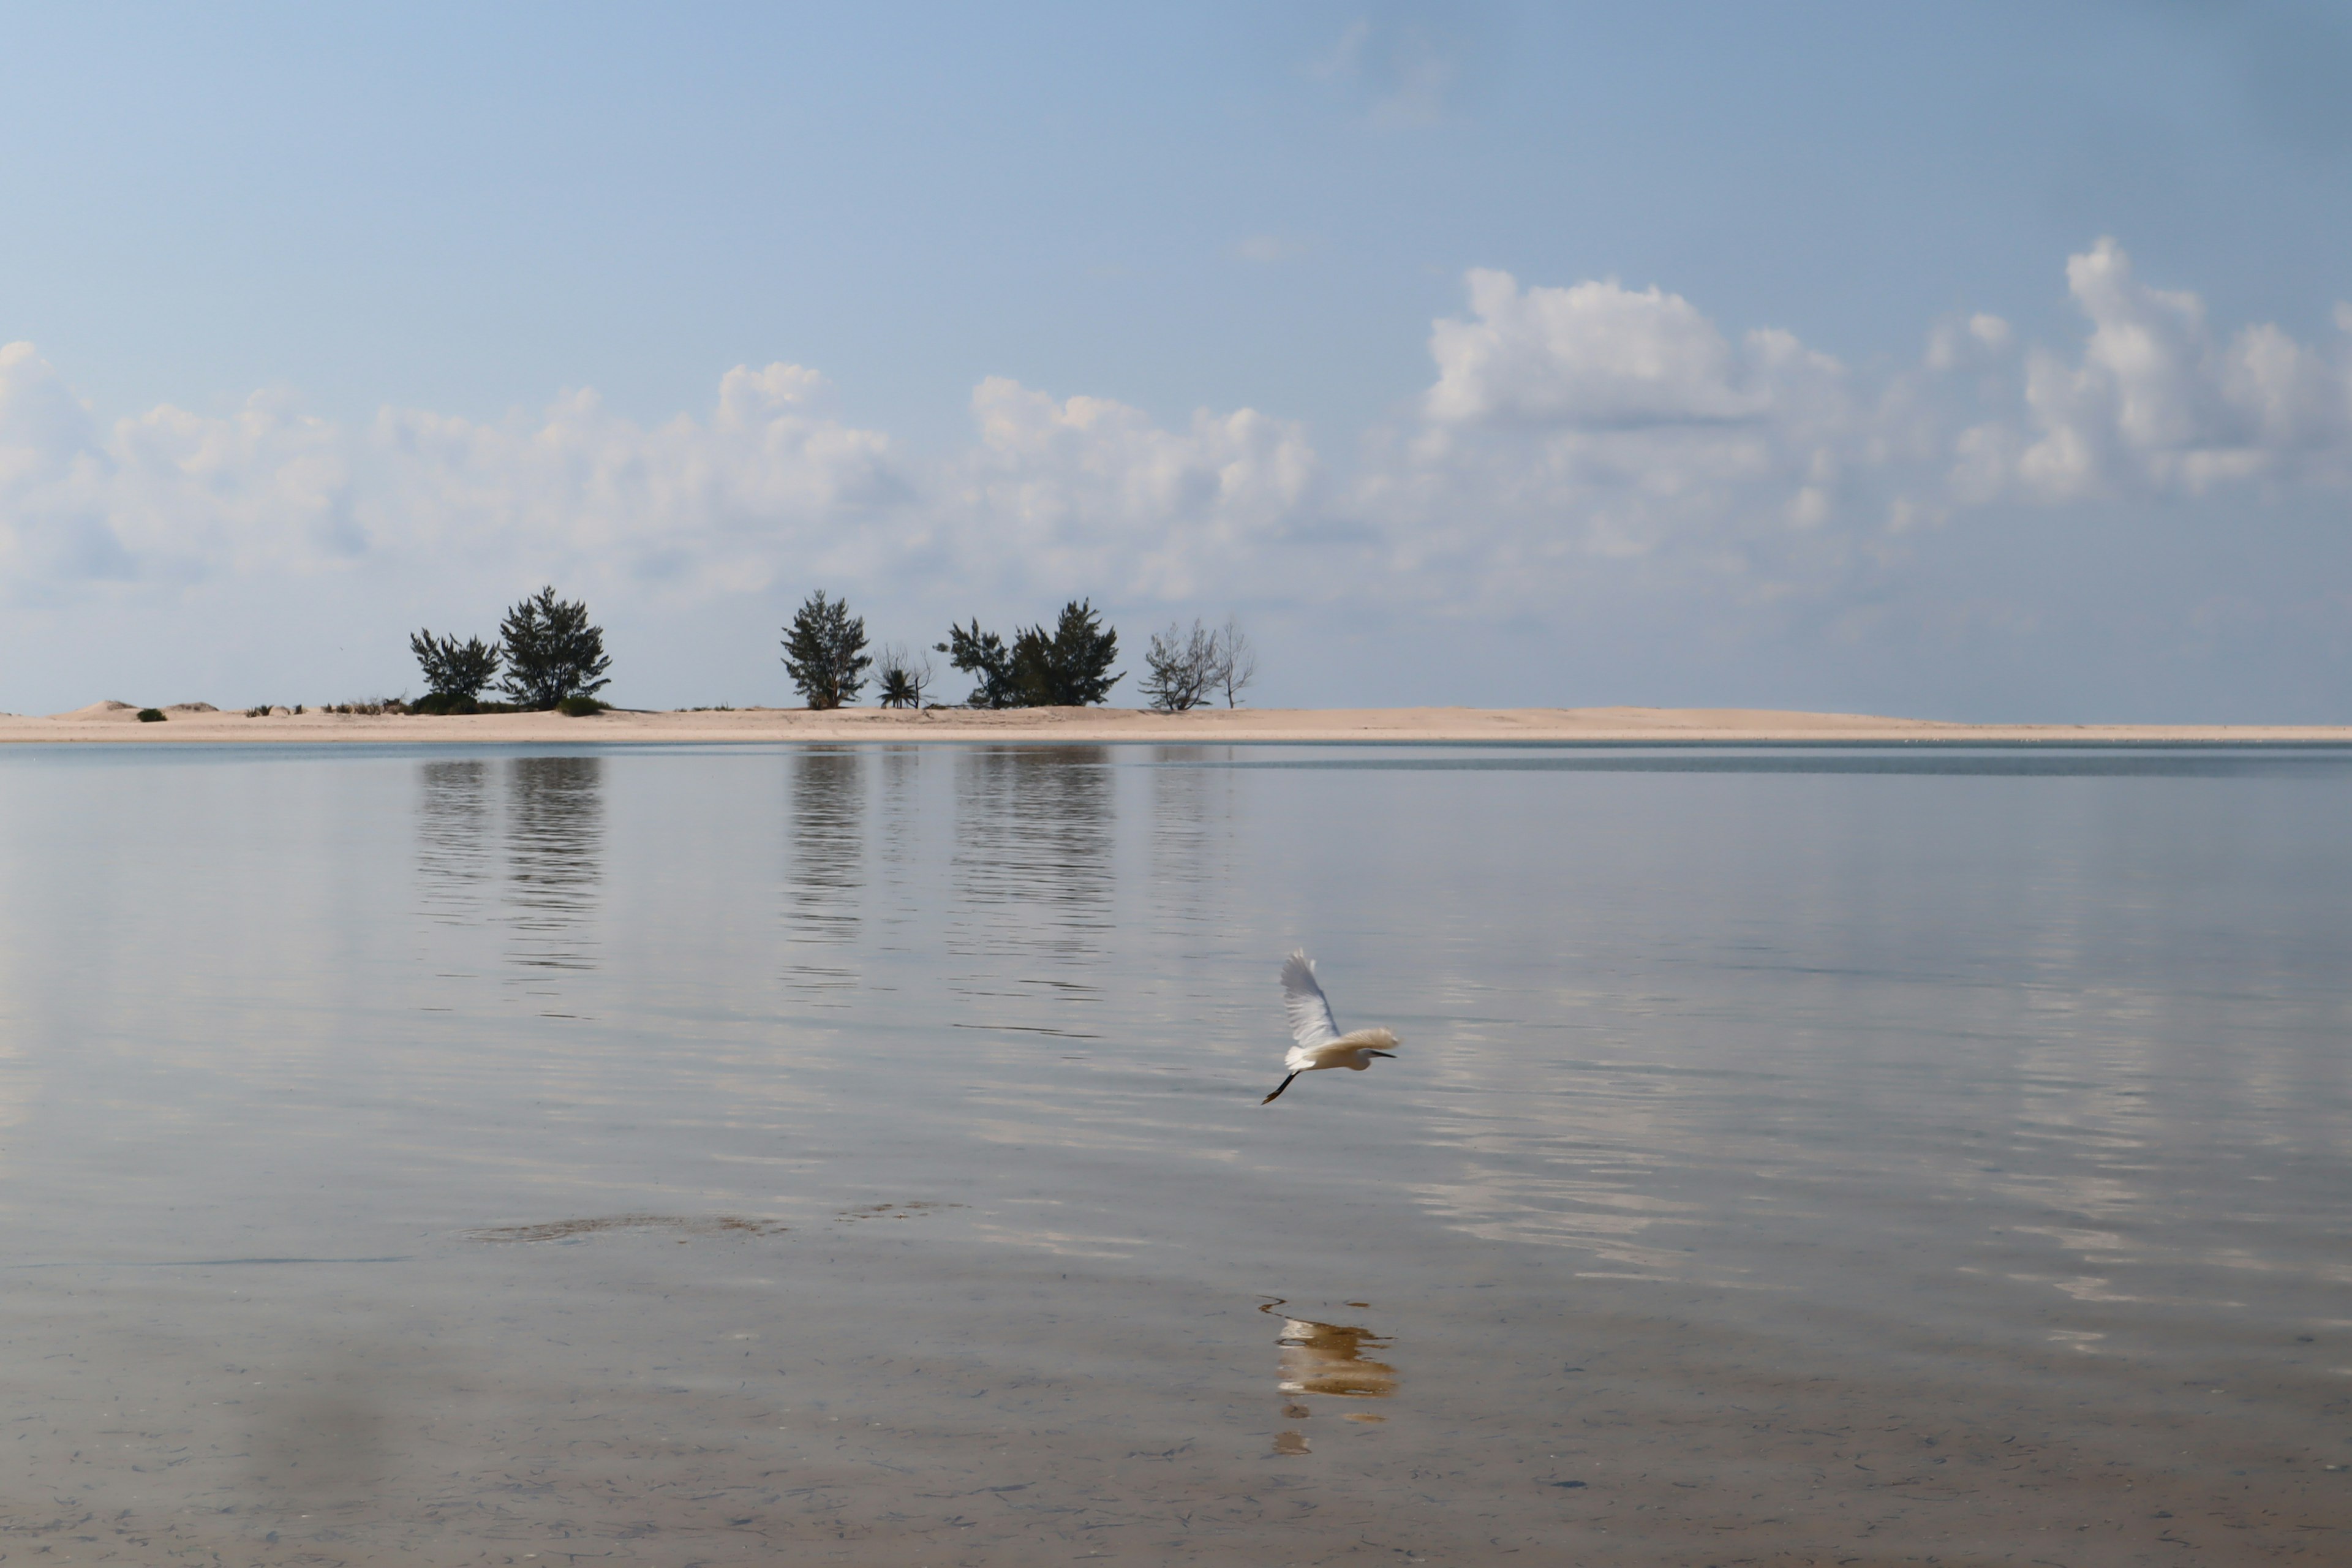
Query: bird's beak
1380, 1053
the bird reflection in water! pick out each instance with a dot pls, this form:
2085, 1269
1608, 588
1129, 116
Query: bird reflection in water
1327, 1359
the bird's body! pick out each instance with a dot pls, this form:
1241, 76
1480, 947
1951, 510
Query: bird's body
1320, 1042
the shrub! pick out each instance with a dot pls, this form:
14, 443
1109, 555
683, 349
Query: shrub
580, 706
151, 715
825, 651
552, 652
1182, 668
984, 656
1070, 668
903, 677
453, 668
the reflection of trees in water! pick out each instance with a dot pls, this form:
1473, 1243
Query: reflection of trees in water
555, 833
898, 834
1032, 864
822, 886
1192, 838
453, 847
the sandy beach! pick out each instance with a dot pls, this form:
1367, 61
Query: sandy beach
106, 722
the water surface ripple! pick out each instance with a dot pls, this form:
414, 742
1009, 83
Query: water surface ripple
854, 1154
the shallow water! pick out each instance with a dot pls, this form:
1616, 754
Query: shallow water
854, 1154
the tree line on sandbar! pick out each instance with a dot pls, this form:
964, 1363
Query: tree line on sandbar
548, 656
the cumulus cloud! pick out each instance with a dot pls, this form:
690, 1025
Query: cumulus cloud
689, 506
1085, 495
1589, 442
2158, 402
167, 494
1599, 423
698, 504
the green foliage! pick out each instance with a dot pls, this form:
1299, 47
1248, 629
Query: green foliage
983, 655
901, 677
1070, 668
1182, 668
552, 652
151, 715
453, 668
825, 651
580, 706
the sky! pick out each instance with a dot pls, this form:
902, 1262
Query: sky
1973, 362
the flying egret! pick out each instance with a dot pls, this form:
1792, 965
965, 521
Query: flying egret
1320, 1043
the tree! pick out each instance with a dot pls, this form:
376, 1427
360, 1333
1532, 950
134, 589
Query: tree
903, 677
552, 652
825, 651
1071, 669
454, 671
1183, 669
1236, 663
982, 655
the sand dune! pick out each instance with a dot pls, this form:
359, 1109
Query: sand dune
197, 722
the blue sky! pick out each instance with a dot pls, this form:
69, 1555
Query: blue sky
1995, 364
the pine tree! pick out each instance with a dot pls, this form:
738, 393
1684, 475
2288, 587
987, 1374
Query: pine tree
552, 652
455, 673
983, 655
1070, 668
825, 651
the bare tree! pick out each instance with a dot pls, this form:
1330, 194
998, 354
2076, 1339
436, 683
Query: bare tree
903, 676
1183, 669
1237, 662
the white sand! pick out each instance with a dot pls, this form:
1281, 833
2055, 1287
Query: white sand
187, 723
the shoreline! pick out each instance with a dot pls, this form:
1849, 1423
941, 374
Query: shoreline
103, 723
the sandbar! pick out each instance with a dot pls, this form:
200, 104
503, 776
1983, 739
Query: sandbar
113, 722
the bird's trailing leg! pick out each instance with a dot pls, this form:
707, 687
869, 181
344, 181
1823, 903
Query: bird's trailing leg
1278, 1088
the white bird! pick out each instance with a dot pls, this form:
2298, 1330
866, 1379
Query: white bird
1320, 1043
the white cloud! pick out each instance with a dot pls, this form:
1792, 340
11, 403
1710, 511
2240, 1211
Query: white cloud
1569, 427
1588, 444
1596, 355
684, 507
168, 494
1085, 495
688, 505
2158, 402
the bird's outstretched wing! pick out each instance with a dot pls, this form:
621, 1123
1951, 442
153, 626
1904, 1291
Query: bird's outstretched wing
1311, 1024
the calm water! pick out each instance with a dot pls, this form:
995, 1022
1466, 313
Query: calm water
675, 1156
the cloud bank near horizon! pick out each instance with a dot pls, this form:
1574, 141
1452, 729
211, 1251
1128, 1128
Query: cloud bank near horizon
1579, 450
